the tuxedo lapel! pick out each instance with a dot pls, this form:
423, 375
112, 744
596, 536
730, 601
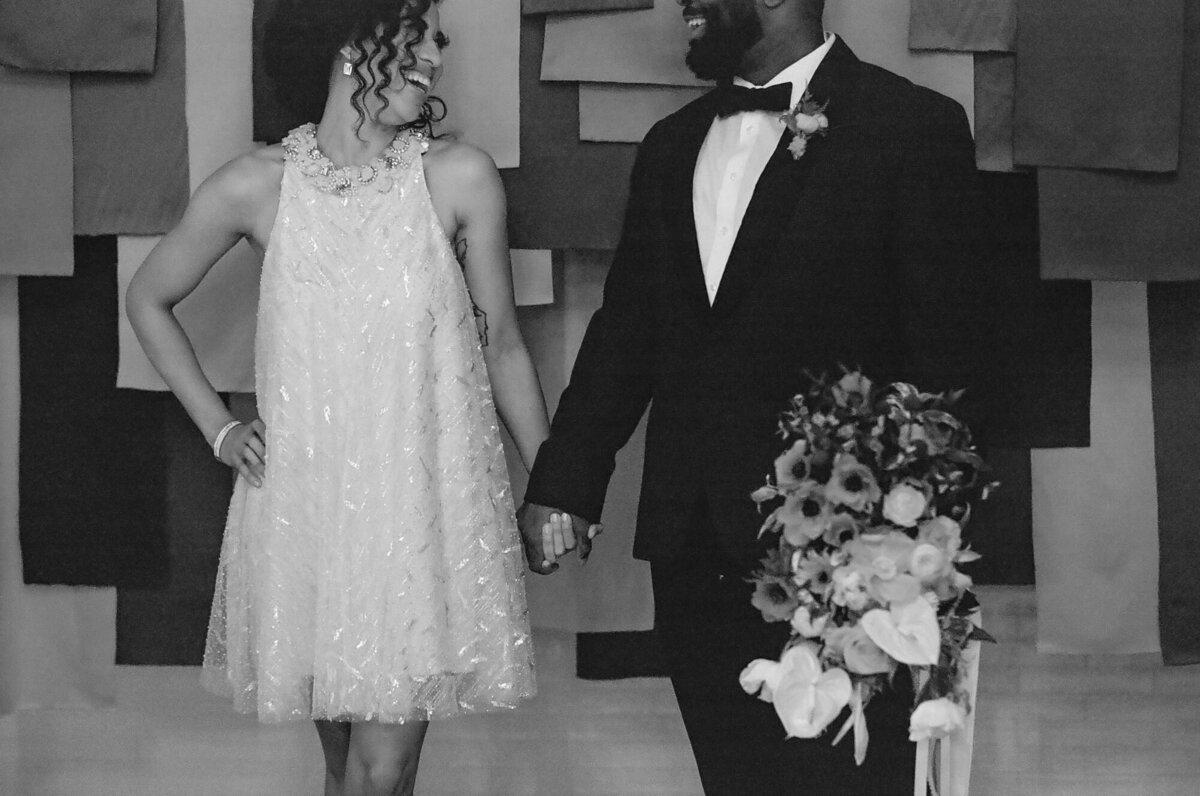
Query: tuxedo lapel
772, 205
785, 182
694, 123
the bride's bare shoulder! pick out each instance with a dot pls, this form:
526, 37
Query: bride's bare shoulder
256, 172
461, 173
458, 160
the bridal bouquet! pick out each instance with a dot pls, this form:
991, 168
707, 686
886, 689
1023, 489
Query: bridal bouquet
868, 503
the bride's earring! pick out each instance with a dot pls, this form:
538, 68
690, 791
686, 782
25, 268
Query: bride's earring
347, 68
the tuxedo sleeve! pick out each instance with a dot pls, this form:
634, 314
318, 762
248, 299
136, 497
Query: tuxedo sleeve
612, 380
938, 248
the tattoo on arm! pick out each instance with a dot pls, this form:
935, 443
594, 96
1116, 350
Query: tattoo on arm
461, 247
460, 250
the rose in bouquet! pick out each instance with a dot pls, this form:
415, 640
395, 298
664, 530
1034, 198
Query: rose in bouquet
866, 509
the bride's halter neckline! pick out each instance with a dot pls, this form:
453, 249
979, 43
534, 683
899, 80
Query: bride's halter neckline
302, 149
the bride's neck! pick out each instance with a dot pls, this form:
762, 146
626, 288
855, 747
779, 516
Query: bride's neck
344, 142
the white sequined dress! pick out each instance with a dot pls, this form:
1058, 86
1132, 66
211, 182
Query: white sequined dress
377, 574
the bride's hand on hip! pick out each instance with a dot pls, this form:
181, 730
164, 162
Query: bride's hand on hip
245, 449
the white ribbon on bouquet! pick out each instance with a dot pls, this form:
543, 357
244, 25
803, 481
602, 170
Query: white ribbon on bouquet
944, 764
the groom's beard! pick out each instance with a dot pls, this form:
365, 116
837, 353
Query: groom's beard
717, 55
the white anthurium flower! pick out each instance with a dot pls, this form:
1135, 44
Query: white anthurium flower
935, 718
909, 632
807, 699
761, 676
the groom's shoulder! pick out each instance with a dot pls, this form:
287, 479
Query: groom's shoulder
693, 114
897, 99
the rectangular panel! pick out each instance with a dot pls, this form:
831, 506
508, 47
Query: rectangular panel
625, 113
1100, 95
1174, 313
566, 194
1098, 225
58, 640
1095, 508
531, 7
995, 79
621, 47
36, 193
167, 626
130, 141
91, 488
79, 35
963, 25
1040, 363
533, 277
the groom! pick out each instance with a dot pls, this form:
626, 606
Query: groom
746, 259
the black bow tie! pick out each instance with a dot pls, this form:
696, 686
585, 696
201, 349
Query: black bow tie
738, 99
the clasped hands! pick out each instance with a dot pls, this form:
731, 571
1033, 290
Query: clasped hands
550, 534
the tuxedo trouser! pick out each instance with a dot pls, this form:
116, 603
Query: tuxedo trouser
709, 632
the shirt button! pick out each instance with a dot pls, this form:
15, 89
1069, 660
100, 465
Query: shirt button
733, 175
724, 230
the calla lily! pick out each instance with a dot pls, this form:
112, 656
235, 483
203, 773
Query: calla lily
806, 698
909, 633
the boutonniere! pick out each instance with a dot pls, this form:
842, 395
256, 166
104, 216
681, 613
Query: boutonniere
806, 119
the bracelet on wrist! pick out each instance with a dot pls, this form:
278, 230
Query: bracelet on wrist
222, 434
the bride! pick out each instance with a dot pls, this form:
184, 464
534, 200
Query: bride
371, 575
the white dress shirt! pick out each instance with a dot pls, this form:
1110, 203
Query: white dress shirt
733, 157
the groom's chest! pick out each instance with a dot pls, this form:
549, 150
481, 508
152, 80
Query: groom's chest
839, 195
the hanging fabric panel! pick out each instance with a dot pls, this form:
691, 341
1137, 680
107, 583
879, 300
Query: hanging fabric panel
92, 491
1174, 311
79, 35
1098, 84
130, 141
963, 25
36, 161
1095, 509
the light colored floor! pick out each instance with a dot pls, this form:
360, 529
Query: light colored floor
1046, 726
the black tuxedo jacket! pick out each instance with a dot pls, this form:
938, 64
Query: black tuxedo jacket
859, 253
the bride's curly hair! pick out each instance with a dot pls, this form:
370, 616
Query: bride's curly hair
302, 38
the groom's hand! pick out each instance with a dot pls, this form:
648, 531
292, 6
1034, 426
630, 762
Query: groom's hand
549, 534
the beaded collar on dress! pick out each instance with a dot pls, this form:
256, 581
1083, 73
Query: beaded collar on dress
302, 149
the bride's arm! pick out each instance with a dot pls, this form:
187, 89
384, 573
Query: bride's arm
223, 210
481, 242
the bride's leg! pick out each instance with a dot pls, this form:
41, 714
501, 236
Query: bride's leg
383, 758
335, 743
